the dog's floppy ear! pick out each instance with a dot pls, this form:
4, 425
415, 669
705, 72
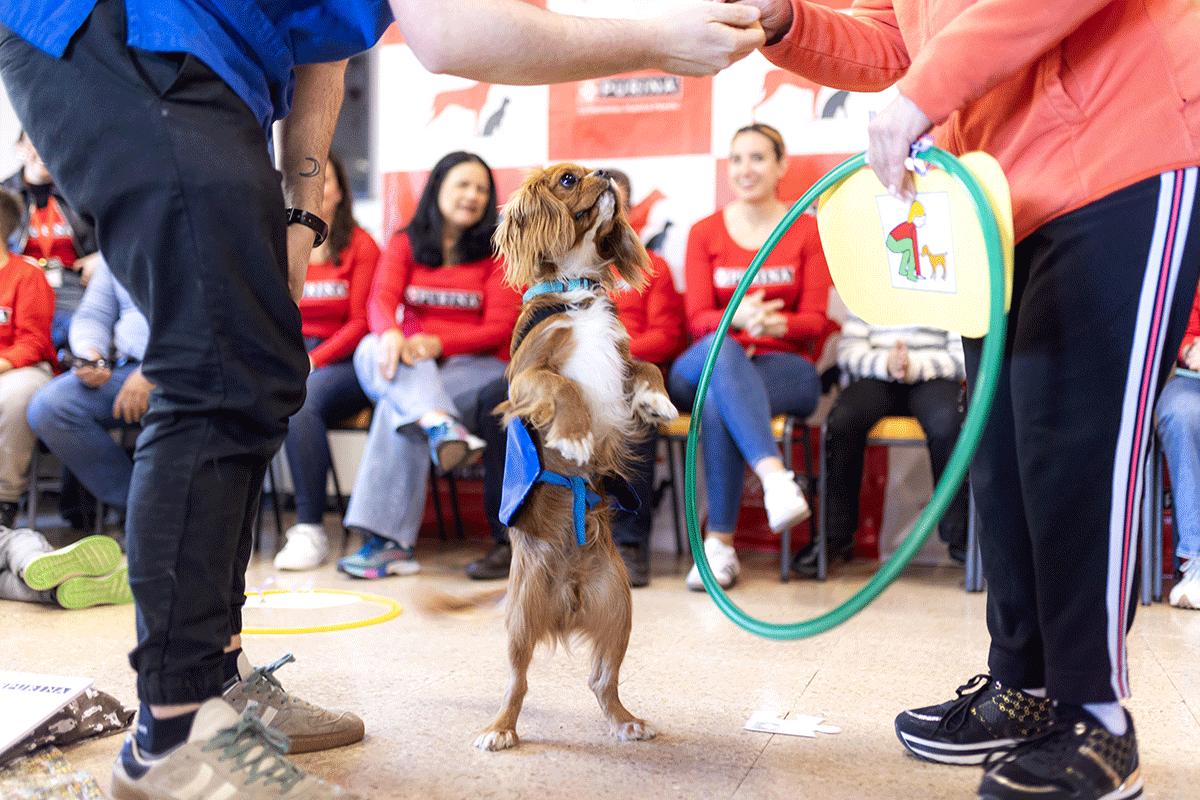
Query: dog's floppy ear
626, 251
536, 227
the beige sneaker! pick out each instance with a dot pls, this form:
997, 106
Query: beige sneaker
306, 726
226, 756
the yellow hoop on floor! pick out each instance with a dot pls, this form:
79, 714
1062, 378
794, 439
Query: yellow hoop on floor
394, 610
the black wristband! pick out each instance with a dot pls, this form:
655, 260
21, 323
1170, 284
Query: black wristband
309, 220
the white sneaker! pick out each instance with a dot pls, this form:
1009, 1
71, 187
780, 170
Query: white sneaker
784, 501
1186, 593
723, 561
306, 548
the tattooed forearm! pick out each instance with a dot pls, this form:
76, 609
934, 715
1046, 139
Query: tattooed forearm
312, 168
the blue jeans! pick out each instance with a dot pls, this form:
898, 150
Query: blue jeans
1178, 415
744, 393
333, 395
74, 421
389, 491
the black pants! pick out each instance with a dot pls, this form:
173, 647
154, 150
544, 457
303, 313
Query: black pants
173, 168
937, 405
1100, 302
628, 528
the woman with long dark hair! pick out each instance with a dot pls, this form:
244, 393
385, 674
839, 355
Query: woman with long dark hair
440, 318
333, 313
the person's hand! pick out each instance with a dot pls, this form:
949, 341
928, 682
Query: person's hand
748, 311
897, 363
890, 136
703, 38
300, 240
5, 365
1191, 358
772, 324
420, 347
777, 16
93, 377
86, 266
133, 399
391, 344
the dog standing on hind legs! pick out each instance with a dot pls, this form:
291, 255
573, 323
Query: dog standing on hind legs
576, 399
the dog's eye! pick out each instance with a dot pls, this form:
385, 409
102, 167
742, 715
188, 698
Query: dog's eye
568, 180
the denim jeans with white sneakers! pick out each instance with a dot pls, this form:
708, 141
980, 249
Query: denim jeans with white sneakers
1178, 416
389, 491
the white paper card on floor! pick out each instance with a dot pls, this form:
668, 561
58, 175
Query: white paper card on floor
29, 699
800, 725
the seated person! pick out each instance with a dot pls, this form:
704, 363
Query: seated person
61, 242
1178, 415
654, 319
441, 318
894, 372
333, 312
85, 574
75, 413
760, 370
26, 353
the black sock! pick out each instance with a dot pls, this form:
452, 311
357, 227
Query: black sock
157, 736
231, 667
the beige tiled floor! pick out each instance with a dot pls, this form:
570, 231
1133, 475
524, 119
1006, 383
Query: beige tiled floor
425, 685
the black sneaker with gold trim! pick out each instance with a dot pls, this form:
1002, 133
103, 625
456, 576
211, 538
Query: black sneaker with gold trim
1075, 759
986, 716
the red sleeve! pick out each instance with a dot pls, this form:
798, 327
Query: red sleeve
808, 321
501, 305
664, 336
703, 312
33, 312
862, 51
391, 279
1193, 328
364, 256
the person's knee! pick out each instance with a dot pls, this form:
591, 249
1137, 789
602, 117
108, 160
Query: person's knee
1178, 414
51, 407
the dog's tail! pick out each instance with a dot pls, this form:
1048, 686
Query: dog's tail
440, 603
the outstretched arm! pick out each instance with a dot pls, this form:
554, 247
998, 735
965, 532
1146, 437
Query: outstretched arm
513, 42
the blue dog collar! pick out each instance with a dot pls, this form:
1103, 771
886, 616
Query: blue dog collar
559, 287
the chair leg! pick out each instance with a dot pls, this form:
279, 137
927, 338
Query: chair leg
275, 506
785, 536
458, 524
810, 479
101, 510
31, 506
341, 503
1157, 544
676, 517
974, 565
435, 493
1146, 533
822, 488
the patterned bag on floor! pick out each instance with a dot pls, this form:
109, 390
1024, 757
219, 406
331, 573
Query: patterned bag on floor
93, 713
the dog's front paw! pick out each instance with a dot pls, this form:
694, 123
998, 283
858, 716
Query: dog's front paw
636, 730
496, 740
652, 407
577, 450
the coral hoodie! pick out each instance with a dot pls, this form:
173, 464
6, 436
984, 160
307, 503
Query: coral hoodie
1075, 98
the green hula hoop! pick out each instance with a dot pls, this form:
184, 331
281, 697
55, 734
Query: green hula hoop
983, 393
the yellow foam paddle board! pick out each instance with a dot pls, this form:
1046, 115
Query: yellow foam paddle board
923, 262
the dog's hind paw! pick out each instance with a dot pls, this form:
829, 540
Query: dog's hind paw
577, 450
636, 730
496, 740
652, 407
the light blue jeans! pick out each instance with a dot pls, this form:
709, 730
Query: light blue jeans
1178, 414
389, 491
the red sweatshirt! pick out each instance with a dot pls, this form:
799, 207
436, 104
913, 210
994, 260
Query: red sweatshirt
1193, 328
26, 310
467, 306
654, 318
796, 272
334, 305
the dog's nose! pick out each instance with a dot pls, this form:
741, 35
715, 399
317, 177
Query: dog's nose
601, 173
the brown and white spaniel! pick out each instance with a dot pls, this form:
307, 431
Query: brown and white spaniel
580, 399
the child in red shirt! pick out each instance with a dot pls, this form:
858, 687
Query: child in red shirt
760, 371
333, 314
26, 353
439, 277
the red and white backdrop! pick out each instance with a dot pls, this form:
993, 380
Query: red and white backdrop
670, 134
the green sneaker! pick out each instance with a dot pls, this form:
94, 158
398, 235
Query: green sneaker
91, 556
86, 591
